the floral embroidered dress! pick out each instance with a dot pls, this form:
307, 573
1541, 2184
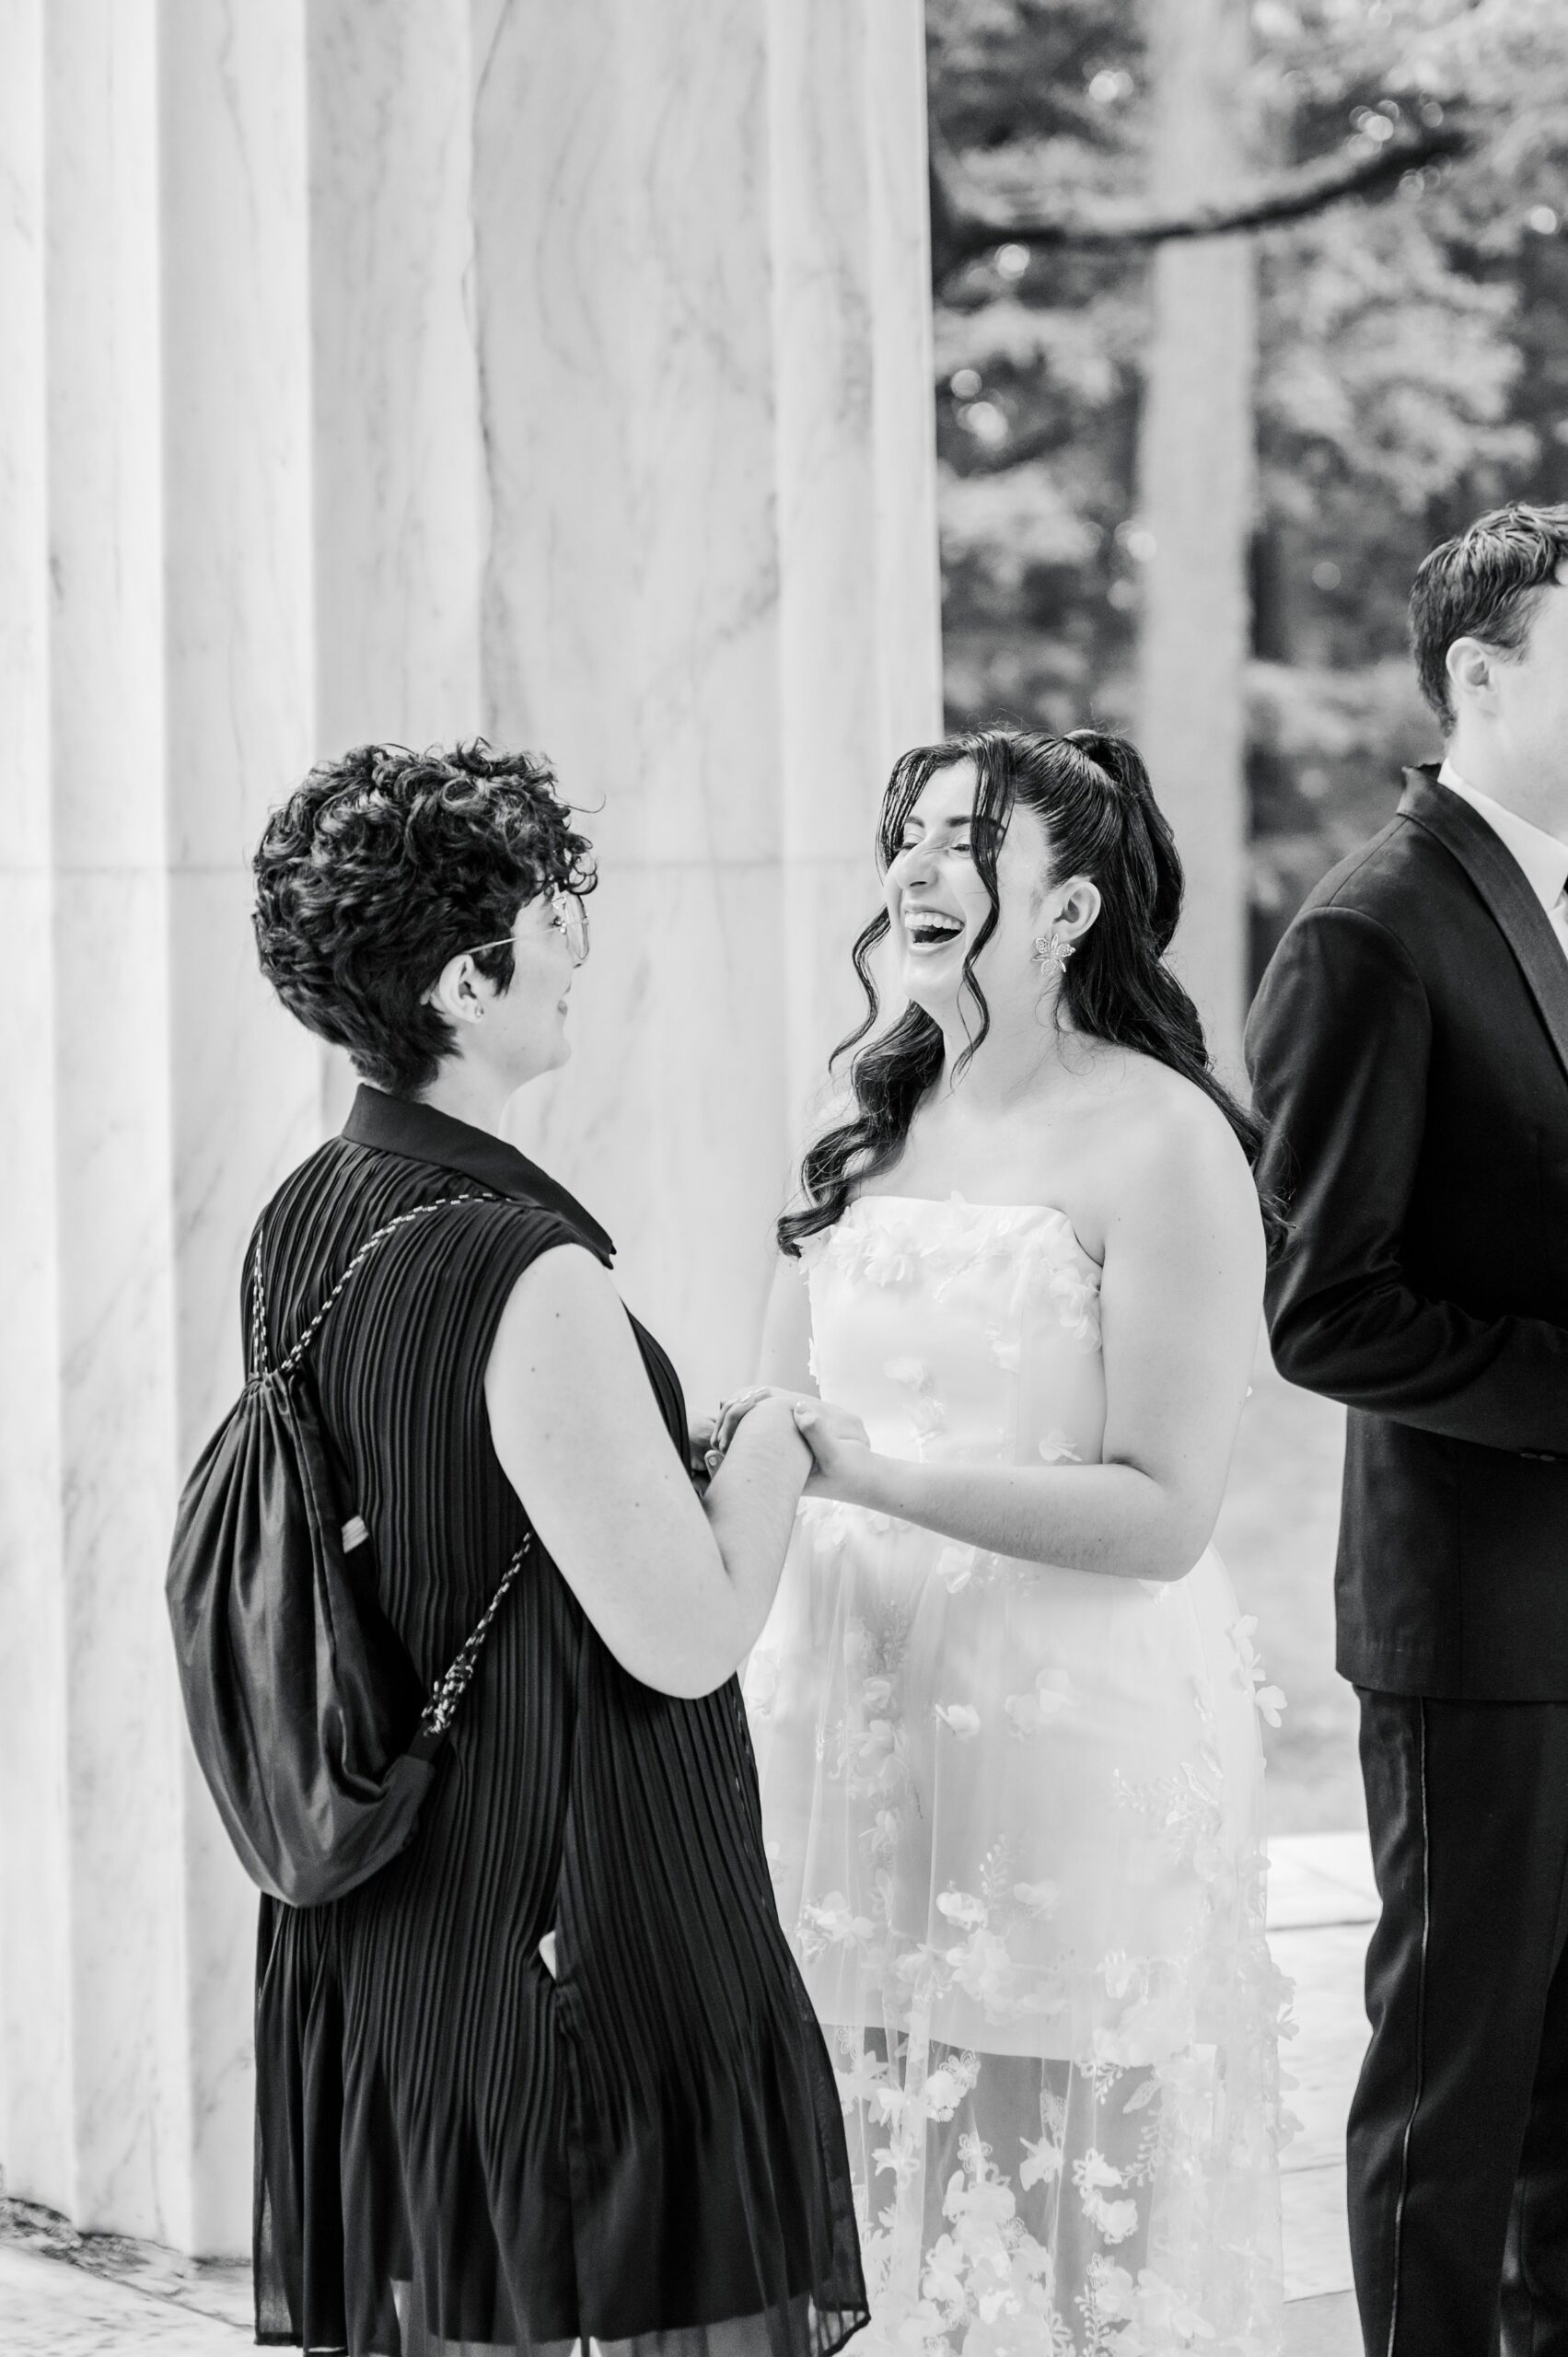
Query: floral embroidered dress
1014, 1816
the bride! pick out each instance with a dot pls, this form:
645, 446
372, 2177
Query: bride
1005, 1707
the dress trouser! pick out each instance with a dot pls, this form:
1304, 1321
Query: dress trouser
1457, 2144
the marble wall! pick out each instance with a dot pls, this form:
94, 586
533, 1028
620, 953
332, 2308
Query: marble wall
741, 370
404, 370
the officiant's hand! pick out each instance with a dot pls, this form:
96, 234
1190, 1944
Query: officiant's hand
699, 1444
730, 1415
835, 1426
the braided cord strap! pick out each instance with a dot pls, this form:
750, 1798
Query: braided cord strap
439, 1711
441, 1706
286, 1366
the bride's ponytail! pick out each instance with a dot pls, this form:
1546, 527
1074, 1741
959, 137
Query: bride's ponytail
1124, 766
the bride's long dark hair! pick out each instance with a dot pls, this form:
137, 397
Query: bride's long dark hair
1093, 794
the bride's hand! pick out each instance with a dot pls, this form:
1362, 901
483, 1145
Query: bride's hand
829, 1432
840, 1450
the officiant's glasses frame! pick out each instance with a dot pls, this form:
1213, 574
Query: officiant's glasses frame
568, 913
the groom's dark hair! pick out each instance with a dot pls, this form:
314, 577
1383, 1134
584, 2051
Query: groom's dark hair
1484, 582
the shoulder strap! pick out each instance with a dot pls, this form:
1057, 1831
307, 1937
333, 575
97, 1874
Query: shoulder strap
441, 1706
437, 1718
261, 1370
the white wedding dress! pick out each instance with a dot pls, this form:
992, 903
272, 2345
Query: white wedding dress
1014, 1814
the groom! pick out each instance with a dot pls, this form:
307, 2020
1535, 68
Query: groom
1408, 1047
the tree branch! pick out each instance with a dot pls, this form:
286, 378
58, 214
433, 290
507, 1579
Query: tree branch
961, 230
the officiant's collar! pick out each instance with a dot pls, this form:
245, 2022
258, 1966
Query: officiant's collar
401, 1125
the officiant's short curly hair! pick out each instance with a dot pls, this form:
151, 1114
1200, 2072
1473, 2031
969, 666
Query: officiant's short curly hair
386, 864
1484, 582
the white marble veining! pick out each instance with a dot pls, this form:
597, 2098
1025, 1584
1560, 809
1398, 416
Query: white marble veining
104, 1095
397, 372
401, 507
713, 360
35, 2062
158, 1090
859, 621
240, 666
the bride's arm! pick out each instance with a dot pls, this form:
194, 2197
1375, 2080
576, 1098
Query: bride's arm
1179, 1303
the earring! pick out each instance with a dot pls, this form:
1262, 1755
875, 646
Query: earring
1053, 954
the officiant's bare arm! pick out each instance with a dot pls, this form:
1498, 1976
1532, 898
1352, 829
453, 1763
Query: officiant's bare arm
677, 1589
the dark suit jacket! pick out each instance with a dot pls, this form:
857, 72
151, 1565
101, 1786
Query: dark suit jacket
1409, 1049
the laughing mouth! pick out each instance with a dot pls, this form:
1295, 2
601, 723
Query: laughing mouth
926, 929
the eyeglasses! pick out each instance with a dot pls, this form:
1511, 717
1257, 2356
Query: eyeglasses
567, 911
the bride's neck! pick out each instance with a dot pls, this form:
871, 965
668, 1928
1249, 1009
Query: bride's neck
1021, 1057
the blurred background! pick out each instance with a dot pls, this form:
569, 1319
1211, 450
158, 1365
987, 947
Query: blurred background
1405, 355
1184, 482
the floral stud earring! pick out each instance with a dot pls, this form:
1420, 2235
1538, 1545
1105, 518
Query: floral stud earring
1053, 954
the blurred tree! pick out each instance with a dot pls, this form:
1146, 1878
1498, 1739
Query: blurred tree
1413, 361
1195, 497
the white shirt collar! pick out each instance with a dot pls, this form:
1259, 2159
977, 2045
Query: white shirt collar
1542, 857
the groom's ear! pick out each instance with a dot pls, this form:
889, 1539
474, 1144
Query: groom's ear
1472, 666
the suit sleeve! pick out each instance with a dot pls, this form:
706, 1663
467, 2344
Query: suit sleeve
1336, 1045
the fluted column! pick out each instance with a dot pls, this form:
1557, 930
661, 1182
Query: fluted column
711, 591
859, 623
36, 2131
94, 2094
159, 593
404, 371
239, 667
399, 492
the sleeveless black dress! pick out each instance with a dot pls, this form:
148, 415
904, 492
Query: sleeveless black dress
457, 2153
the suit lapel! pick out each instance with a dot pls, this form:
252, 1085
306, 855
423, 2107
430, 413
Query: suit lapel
1501, 882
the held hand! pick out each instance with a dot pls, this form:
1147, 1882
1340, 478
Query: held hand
731, 1414
699, 1443
841, 1450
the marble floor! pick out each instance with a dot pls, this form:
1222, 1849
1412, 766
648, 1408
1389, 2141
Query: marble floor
1322, 1904
64, 2295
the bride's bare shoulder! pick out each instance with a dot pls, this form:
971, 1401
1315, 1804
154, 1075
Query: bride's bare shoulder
1168, 1137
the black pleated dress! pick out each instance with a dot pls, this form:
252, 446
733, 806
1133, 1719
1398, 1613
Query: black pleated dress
458, 2152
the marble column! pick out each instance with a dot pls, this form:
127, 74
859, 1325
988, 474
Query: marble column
399, 494
239, 663
711, 587
93, 2090
406, 371
158, 600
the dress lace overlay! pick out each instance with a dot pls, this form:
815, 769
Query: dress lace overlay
1014, 1817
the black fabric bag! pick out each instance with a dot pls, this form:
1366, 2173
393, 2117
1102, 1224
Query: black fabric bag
303, 1706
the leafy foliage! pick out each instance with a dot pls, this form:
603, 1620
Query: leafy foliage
1412, 369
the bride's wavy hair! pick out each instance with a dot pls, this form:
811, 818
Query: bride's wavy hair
1093, 796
